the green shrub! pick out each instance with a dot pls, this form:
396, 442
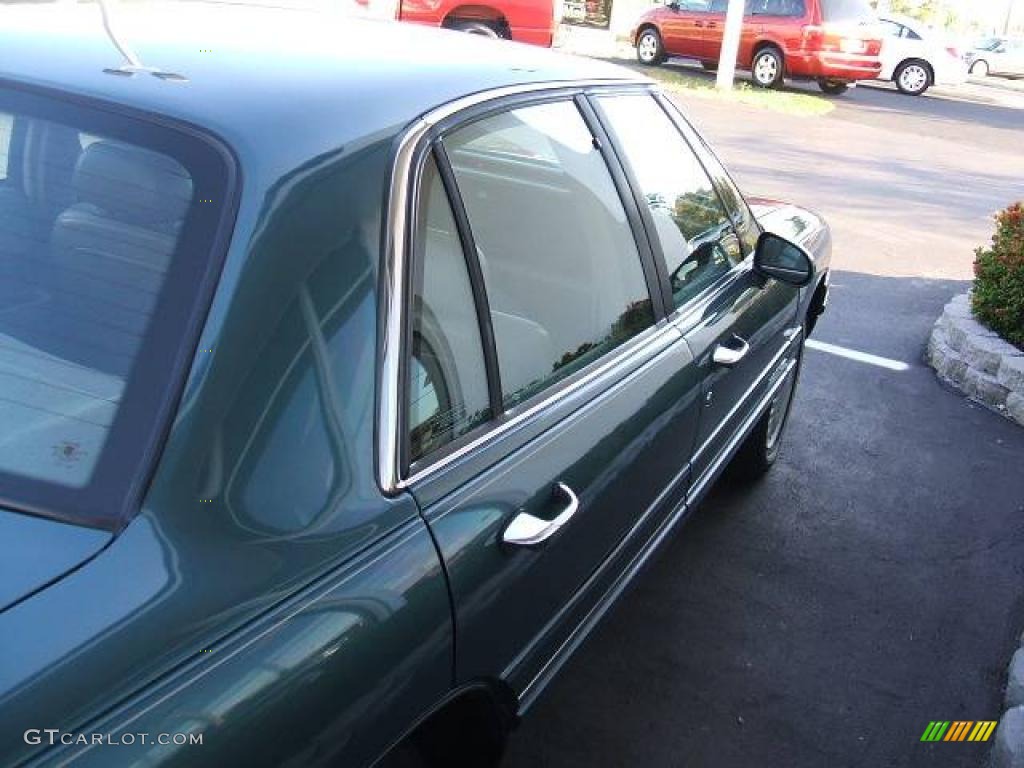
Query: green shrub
998, 299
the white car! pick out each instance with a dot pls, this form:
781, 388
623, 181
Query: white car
997, 56
916, 57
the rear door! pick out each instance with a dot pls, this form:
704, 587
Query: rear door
550, 414
739, 326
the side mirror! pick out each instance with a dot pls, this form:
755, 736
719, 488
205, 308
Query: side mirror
778, 258
672, 5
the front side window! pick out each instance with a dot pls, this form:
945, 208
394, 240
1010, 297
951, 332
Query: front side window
447, 388
562, 273
102, 246
696, 235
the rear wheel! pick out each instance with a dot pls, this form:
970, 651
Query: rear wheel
913, 77
761, 448
980, 67
833, 87
481, 28
767, 68
649, 50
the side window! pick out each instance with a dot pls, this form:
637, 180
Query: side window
890, 28
6, 126
696, 235
562, 272
447, 377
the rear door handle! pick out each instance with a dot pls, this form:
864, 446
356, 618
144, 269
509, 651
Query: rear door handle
712, 25
730, 353
526, 530
699, 24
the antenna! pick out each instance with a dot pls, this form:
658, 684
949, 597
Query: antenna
132, 63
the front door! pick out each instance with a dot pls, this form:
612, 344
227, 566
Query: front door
706, 236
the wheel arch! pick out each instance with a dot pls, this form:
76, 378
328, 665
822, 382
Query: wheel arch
760, 45
916, 60
816, 306
482, 12
470, 723
644, 27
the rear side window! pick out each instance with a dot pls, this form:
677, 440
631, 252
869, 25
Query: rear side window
105, 236
787, 8
448, 393
696, 235
563, 276
846, 10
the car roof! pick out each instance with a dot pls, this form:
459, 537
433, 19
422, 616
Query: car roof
254, 72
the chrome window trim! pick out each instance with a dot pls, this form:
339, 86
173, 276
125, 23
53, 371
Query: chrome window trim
397, 229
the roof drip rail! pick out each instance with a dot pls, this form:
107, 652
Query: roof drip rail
132, 64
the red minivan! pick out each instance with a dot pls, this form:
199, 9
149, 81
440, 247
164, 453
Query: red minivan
528, 21
832, 41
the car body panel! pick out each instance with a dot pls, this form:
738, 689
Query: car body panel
617, 444
35, 551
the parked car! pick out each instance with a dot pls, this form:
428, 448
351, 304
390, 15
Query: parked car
916, 58
997, 56
526, 21
834, 42
292, 398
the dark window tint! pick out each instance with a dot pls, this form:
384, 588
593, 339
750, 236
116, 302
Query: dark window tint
101, 252
562, 272
695, 233
447, 377
847, 10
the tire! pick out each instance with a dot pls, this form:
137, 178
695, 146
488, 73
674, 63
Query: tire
833, 87
481, 28
980, 67
710, 66
649, 49
913, 77
766, 69
761, 448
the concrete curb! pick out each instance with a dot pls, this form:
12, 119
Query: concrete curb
976, 361
1008, 746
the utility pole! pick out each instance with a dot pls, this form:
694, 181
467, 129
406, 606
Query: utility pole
1010, 7
730, 45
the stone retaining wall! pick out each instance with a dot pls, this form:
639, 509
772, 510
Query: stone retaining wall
975, 360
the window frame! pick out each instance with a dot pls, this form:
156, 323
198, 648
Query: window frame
405, 198
123, 471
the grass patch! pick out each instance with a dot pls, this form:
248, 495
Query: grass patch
786, 102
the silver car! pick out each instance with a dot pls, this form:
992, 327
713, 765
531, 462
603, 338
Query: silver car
997, 56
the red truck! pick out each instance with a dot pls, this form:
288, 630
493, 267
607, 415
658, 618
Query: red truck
834, 42
528, 21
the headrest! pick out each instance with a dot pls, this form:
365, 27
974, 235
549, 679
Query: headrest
133, 185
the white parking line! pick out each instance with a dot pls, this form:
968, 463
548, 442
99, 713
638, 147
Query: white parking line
860, 357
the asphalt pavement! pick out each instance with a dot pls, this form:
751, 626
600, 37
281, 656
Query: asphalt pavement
874, 581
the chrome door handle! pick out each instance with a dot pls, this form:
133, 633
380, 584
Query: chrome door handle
729, 356
526, 530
